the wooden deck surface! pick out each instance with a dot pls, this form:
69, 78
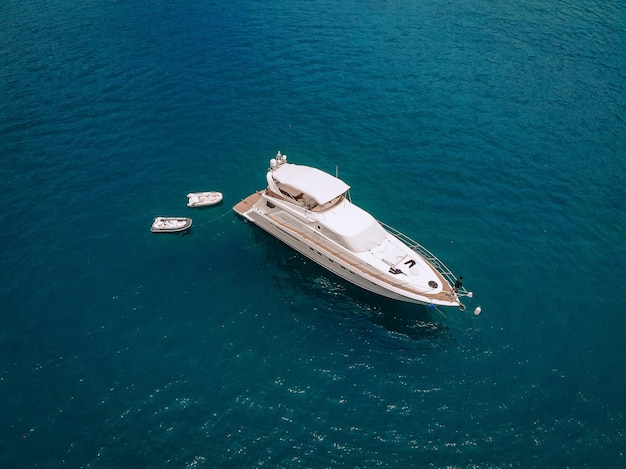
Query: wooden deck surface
247, 203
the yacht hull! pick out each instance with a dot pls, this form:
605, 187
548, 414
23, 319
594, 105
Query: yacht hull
342, 263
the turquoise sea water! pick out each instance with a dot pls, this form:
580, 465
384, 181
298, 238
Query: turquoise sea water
492, 132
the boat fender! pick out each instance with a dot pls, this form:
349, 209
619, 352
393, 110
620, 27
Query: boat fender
477, 311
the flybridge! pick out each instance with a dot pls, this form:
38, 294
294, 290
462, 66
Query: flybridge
312, 183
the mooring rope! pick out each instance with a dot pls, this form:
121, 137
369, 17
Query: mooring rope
214, 219
432, 306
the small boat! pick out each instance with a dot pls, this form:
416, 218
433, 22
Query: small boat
170, 224
311, 211
203, 199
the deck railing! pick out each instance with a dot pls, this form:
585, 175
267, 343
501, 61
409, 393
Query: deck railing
428, 256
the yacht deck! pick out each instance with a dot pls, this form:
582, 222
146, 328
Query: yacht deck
247, 203
445, 295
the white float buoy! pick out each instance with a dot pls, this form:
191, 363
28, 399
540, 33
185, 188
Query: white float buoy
477, 311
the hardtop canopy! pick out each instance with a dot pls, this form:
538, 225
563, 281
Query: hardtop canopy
316, 184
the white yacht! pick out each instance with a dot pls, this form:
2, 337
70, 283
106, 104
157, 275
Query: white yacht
310, 211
